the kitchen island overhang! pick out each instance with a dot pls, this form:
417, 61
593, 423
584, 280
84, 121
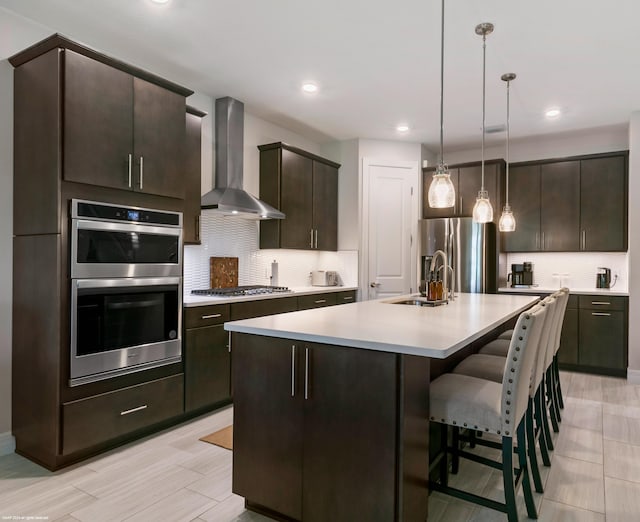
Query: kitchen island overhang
331, 408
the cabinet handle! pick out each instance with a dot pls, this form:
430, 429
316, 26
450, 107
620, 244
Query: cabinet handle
130, 166
311, 238
229, 343
315, 232
320, 301
306, 373
584, 239
348, 298
133, 410
604, 303
601, 314
293, 370
141, 172
537, 240
212, 316
543, 245
460, 209
198, 227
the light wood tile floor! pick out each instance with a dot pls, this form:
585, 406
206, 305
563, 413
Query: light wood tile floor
172, 476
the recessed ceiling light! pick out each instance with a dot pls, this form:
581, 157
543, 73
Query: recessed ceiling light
309, 87
402, 128
552, 113
160, 1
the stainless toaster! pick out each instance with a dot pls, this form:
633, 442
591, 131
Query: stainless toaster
324, 278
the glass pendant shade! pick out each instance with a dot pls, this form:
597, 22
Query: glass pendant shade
482, 210
507, 221
442, 193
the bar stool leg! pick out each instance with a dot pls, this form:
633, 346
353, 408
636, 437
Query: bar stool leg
526, 483
443, 467
455, 443
541, 418
556, 371
509, 479
551, 402
531, 447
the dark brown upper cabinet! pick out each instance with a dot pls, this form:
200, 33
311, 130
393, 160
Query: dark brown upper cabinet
603, 204
305, 187
192, 177
524, 195
467, 180
570, 205
559, 206
121, 131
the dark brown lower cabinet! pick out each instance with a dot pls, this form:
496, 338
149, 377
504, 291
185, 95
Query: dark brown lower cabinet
104, 417
207, 360
207, 367
595, 335
568, 352
329, 433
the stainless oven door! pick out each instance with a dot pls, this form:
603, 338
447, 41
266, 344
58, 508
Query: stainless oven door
120, 326
114, 249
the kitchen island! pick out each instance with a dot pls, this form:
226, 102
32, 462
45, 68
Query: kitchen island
331, 405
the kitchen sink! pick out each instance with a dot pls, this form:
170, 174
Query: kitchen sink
418, 301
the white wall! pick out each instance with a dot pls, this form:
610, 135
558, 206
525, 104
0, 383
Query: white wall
603, 139
634, 248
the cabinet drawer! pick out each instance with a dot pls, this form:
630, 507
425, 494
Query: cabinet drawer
196, 316
100, 418
348, 296
316, 301
249, 309
602, 302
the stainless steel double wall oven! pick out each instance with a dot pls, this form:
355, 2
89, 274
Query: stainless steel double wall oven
126, 289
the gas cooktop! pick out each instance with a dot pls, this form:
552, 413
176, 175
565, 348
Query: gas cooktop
241, 290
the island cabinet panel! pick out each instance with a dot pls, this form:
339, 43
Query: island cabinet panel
267, 423
121, 131
603, 204
560, 206
328, 433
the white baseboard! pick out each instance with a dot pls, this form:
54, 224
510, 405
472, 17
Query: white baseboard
633, 376
7, 443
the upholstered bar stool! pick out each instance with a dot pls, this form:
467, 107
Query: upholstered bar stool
556, 371
462, 401
552, 374
492, 367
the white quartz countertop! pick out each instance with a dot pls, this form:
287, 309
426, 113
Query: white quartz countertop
380, 325
203, 300
580, 291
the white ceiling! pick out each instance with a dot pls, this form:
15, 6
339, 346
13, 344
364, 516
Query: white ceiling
377, 62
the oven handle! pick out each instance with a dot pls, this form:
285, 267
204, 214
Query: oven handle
126, 282
84, 224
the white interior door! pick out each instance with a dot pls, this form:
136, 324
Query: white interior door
390, 191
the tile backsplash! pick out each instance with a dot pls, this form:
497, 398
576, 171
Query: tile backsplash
232, 236
576, 269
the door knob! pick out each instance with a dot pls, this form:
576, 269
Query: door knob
374, 285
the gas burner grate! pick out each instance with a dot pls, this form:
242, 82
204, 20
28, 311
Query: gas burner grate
241, 290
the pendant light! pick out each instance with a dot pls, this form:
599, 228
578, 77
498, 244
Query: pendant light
482, 210
507, 221
442, 193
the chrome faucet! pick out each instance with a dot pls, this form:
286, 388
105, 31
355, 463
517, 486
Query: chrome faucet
445, 265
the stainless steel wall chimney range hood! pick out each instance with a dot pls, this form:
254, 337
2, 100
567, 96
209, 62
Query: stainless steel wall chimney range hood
228, 197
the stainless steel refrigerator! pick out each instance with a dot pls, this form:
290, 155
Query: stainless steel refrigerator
470, 249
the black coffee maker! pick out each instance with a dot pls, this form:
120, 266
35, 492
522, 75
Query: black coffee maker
521, 274
603, 277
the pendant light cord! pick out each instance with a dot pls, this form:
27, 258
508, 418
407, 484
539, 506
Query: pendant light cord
484, 67
442, 87
507, 191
